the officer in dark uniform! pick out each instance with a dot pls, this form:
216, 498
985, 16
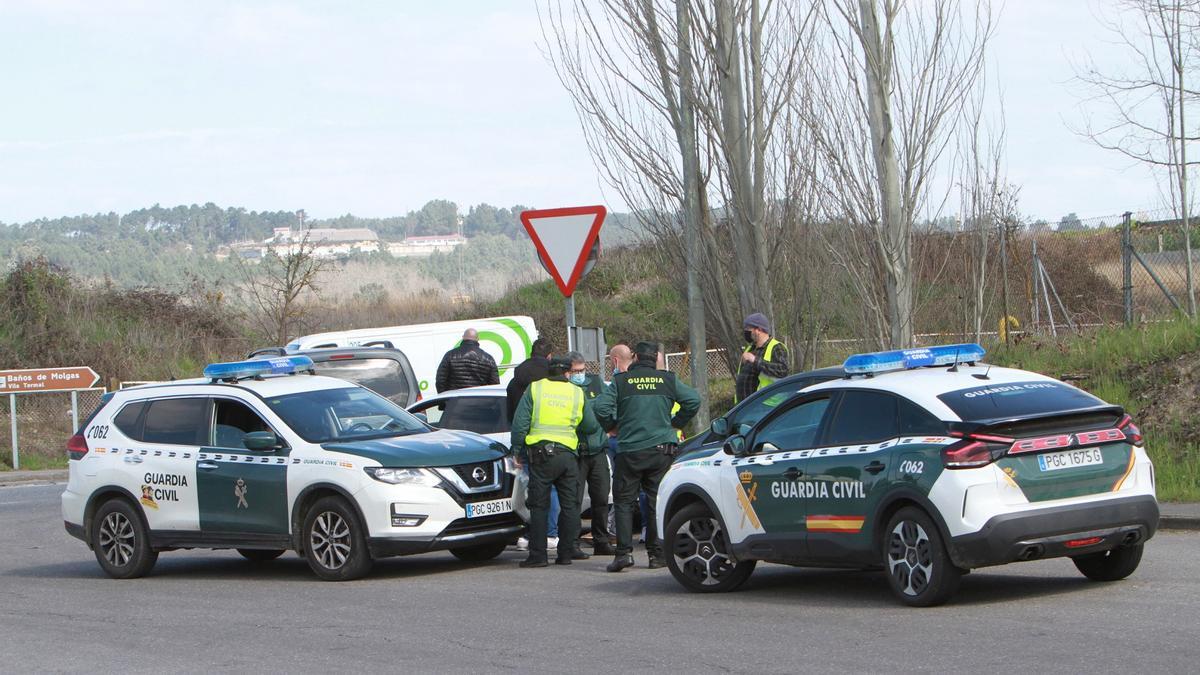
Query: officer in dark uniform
595, 474
551, 416
639, 403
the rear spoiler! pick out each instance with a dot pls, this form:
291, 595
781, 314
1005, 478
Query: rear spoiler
980, 425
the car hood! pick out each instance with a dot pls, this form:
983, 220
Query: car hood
436, 448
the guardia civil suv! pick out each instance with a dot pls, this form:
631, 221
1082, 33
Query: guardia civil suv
262, 458
925, 463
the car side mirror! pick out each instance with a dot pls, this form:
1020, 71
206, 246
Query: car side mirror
720, 427
421, 416
262, 441
735, 445
744, 428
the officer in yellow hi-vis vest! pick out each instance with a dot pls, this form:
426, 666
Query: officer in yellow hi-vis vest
550, 417
764, 360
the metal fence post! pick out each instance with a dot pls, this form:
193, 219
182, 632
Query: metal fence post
74, 411
12, 409
1127, 266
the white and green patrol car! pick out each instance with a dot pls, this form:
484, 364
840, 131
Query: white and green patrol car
259, 457
924, 463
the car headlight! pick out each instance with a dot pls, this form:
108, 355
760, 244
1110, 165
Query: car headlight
403, 476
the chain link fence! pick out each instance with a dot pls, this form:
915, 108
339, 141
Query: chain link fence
44, 422
1043, 277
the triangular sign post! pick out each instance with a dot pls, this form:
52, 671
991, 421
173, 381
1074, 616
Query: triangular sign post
563, 238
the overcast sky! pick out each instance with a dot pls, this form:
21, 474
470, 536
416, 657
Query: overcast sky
374, 108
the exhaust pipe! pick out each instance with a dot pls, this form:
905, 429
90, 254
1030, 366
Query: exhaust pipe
1031, 552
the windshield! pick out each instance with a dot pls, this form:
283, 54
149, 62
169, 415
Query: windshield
383, 376
1017, 399
351, 413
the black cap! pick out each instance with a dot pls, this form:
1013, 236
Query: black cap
646, 350
559, 365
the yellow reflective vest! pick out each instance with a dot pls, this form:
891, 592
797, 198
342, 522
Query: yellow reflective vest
557, 410
763, 380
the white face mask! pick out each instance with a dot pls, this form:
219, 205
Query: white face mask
578, 378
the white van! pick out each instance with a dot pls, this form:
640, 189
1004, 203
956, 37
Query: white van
507, 338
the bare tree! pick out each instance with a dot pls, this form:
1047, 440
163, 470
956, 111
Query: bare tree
1143, 104
681, 105
893, 78
274, 288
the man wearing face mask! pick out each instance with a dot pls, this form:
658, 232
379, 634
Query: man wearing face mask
594, 473
552, 416
764, 360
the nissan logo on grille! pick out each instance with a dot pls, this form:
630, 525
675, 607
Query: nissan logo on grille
479, 474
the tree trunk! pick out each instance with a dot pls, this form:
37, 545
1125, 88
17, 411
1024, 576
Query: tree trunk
694, 248
894, 238
754, 292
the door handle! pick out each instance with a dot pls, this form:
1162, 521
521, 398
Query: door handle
206, 465
133, 459
793, 473
874, 467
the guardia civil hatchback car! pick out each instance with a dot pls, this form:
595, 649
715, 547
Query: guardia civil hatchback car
925, 463
262, 458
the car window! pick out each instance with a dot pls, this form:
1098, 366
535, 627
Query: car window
129, 420
232, 420
796, 428
1016, 399
481, 414
917, 421
385, 377
350, 413
177, 421
863, 417
432, 412
762, 402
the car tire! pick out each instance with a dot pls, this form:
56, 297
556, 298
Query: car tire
121, 540
1111, 565
697, 552
260, 555
335, 542
918, 568
479, 553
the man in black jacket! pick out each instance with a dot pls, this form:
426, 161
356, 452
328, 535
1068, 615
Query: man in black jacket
532, 369
467, 365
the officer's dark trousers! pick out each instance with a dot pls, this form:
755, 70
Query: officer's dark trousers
594, 476
634, 472
561, 471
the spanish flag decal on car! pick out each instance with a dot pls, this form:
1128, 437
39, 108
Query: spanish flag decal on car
847, 524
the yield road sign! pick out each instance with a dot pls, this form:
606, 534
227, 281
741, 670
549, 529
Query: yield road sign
564, 238
46, 379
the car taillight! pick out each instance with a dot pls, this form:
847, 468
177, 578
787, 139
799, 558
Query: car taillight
974, 450
77, 447
1132, 433
341, 357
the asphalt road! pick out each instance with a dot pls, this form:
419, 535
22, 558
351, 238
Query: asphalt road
210, 610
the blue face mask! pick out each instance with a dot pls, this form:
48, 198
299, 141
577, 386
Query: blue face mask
578, 378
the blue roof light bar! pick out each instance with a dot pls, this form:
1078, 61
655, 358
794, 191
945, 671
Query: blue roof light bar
237, 370
941, 355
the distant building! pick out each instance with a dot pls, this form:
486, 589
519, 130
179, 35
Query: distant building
413, 247
326, 242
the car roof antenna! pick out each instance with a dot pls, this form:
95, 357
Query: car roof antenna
984, 376
954, 366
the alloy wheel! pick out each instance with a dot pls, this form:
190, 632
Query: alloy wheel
330, 540
910, 557
117, 538
702, 552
